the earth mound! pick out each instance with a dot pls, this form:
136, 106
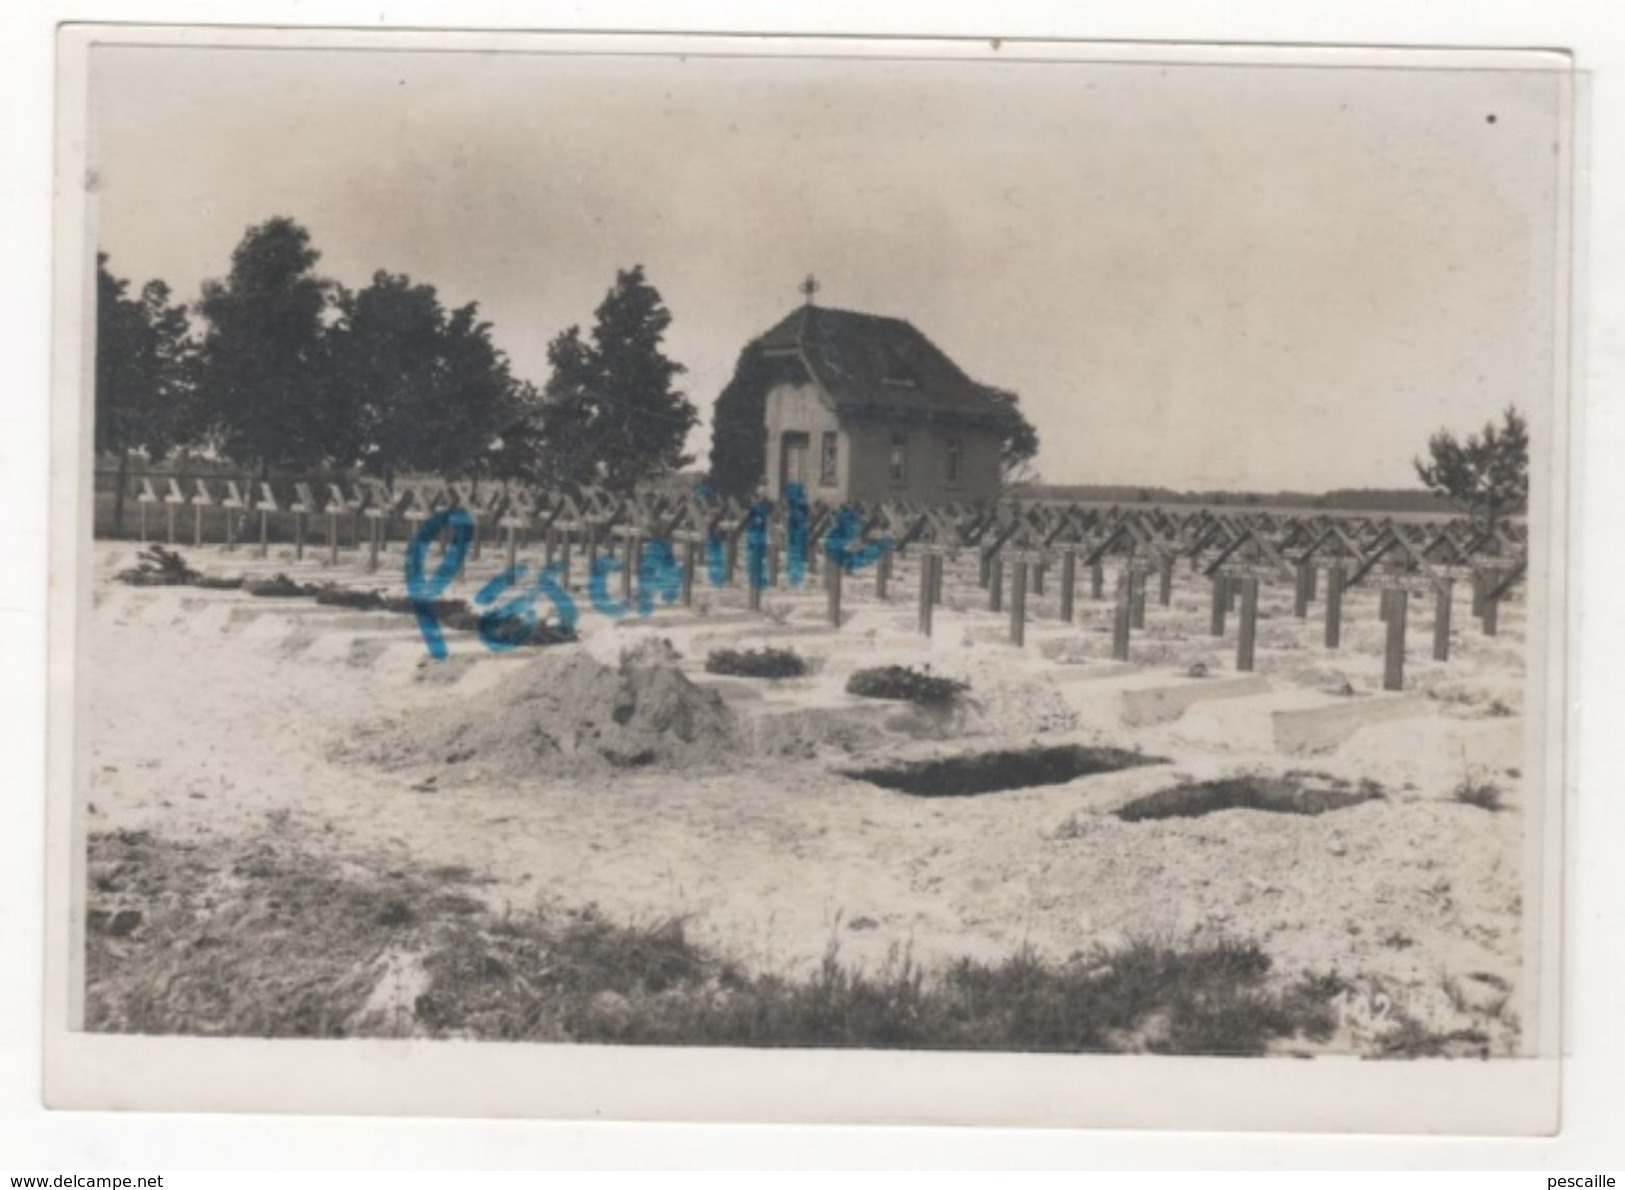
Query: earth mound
569, 714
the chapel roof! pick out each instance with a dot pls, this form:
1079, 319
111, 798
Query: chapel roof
871, 365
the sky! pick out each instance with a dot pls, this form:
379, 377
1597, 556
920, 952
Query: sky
1195, 276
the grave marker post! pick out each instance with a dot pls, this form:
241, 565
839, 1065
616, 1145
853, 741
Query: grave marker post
1393, 661
1247, 636
1018, 600
1300, 594
1334, 606
198, 502
232, 502
478, 515
1490, 597
832, 587
811, 541
264, 505
304, 502
145, 497
926, 560
1136, 597
335, 503
1492, 601
995, 585
631, 558
1121, 617
591, 555
1069, 576
1165, 579
1444, 589
1221, 602
386, 515
691, 562
172, 498
473, 523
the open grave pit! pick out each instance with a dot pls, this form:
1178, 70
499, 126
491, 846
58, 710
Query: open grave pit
1000, 770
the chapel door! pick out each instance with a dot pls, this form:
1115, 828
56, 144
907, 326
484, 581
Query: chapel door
793, 462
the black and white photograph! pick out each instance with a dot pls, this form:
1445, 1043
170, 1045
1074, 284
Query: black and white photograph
706, 550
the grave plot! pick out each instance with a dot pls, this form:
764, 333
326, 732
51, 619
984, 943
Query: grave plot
1131, 692
1041, 569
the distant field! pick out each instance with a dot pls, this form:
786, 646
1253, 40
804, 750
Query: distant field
1408, 502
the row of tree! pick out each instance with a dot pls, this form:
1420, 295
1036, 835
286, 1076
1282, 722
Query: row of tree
279, 368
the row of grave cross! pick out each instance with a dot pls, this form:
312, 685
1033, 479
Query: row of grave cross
1235, 552
1262, 544
1230, 548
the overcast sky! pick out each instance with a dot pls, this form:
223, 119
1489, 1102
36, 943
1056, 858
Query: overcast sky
1195, 276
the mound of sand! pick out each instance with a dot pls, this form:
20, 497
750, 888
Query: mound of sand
567, 714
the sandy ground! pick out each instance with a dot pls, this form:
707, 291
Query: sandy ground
213, 713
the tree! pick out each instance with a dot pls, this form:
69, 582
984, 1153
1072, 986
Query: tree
145, 374
739, 426
480, 408
1486, 473
262, 355
610, 414
1018, 439
516, 451
412, 386
378, 371
571, 411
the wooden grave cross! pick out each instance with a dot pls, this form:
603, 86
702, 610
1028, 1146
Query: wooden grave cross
201, 500
145, 497
265, 505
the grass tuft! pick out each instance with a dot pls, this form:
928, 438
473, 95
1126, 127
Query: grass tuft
272, 942
904, 682
158, 567
756, 663
333, 595
280, 586
1475, 789
1288, 794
